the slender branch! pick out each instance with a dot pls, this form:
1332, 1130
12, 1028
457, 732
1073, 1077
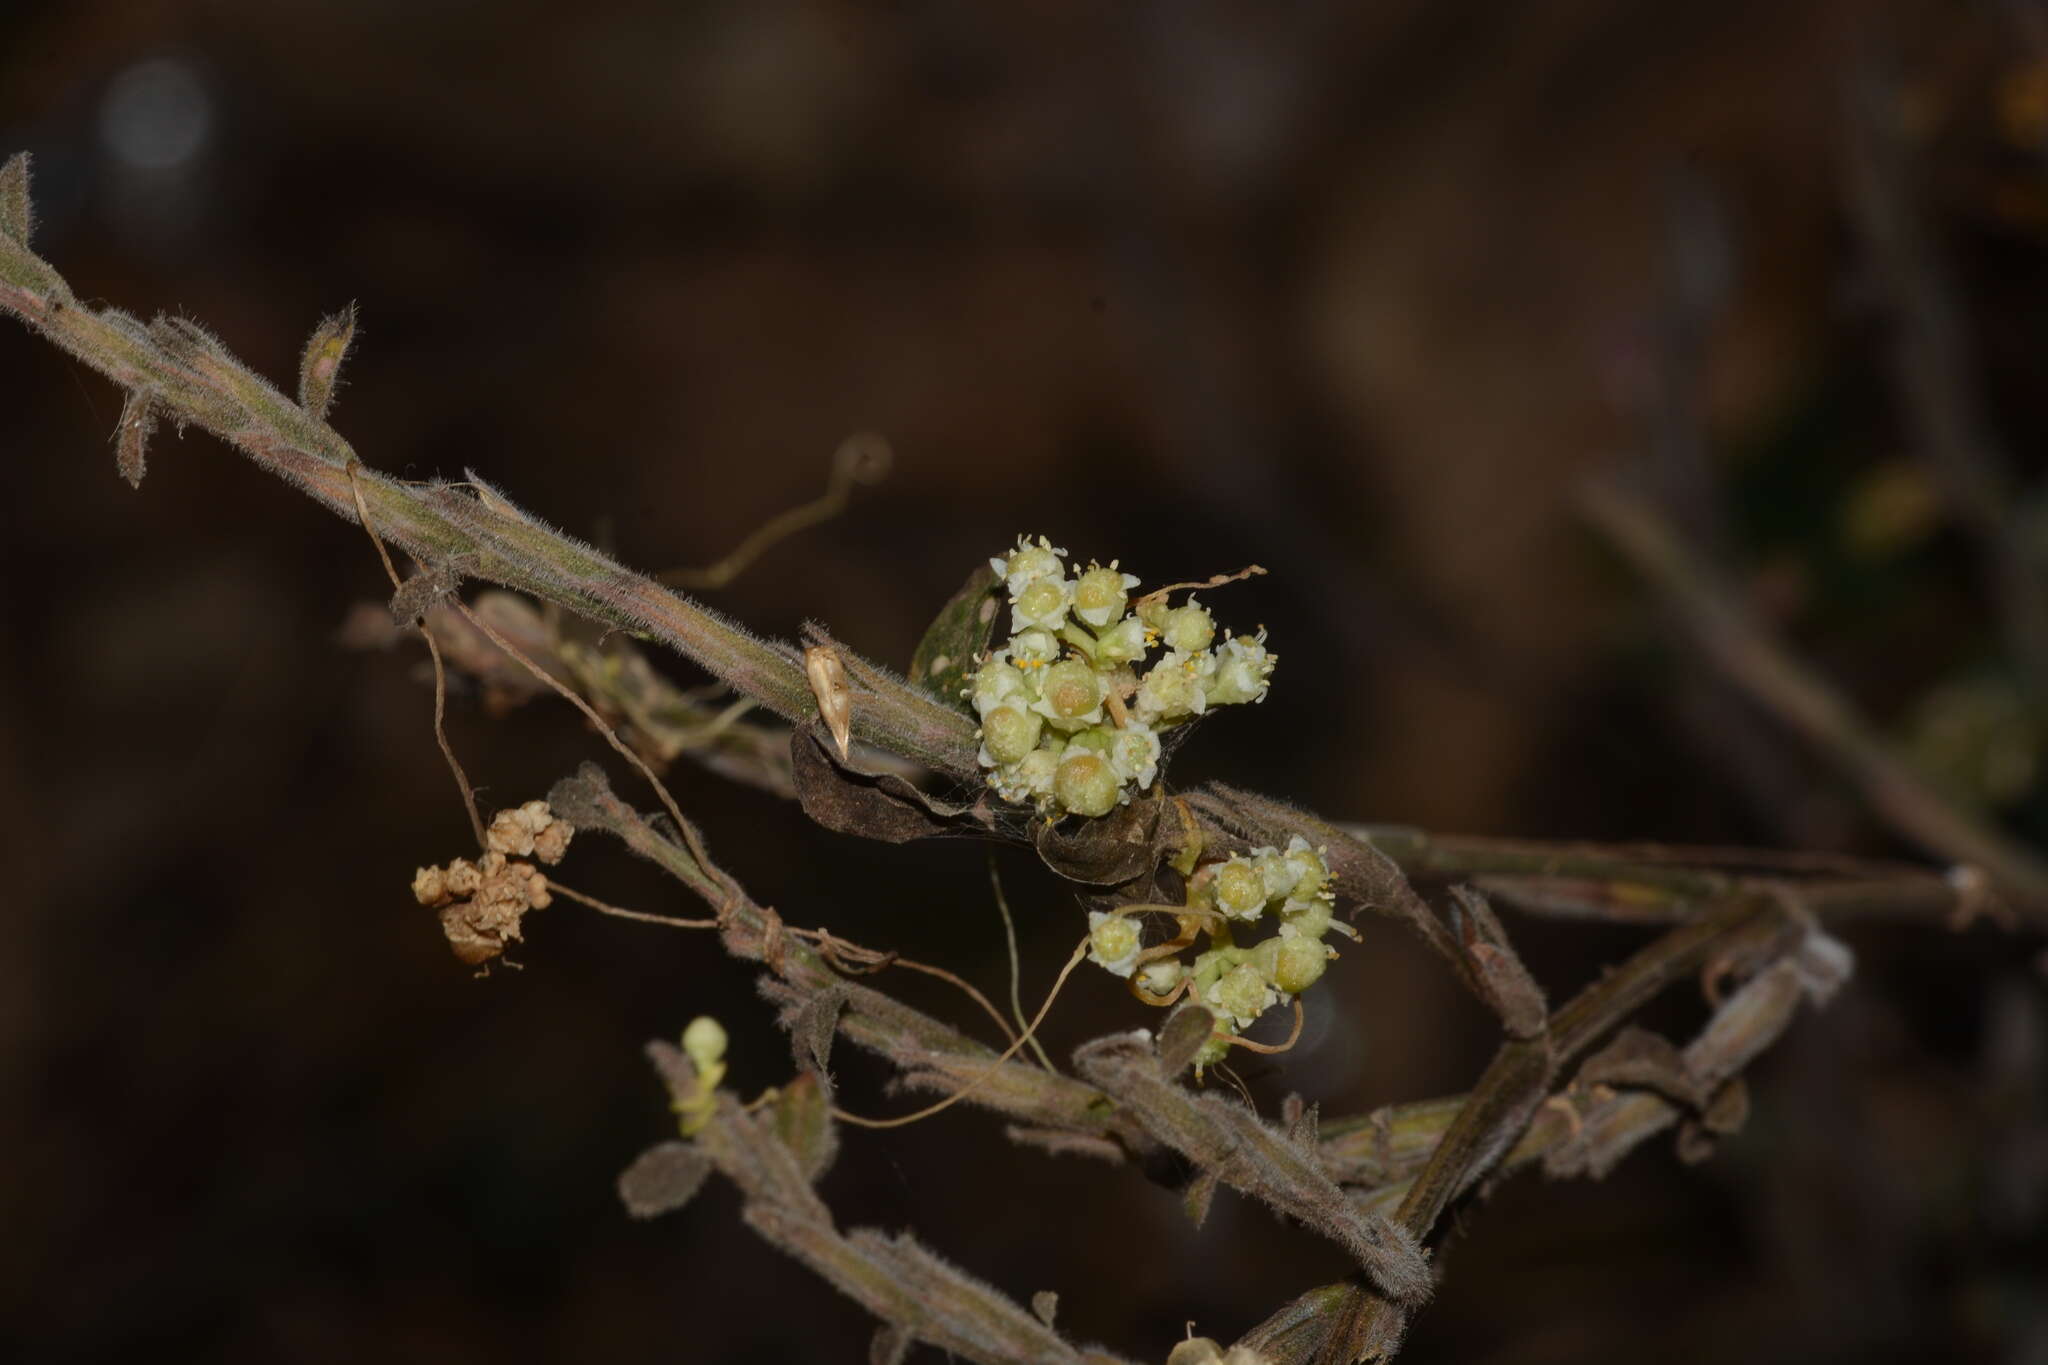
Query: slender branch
1772, 677
183, 371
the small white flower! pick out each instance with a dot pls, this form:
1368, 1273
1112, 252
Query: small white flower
1123, 643
1101, 594
1134, 753
1172, 689
1242, 670
1113, 942
1242, 994
1189, 629
1160, 978
1028, 562
1043, 604
1031, 649
1309, 868
995, 682
1276, 872
1028, 781
1240, 890
1306, 919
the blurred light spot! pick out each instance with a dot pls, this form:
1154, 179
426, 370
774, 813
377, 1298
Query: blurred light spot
156, 115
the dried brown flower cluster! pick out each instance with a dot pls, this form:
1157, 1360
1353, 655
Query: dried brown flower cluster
482, 902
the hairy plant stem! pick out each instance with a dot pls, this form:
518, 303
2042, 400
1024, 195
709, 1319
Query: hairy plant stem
468, 528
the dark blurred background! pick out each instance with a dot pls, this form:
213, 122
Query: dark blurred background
1361, 293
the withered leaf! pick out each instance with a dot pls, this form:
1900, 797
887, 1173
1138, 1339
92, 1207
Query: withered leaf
1046, 1305
422, 590
1497, 972
662, 1179
813, 1026
1107, 851
946, 657
1182, 1036
879, 806
1644, 1060
1729, 1109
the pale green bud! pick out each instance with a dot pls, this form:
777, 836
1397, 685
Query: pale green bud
1189, 628
1100, 595
1070, 695
1298, 964
1085, 784
1240, 891
704, 1042
1242, 994
1008, 733
1043, 604
1113, 942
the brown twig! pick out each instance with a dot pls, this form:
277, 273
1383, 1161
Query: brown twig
1780, 683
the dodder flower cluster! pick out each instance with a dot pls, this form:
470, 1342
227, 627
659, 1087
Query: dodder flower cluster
1070, 713
1226, 900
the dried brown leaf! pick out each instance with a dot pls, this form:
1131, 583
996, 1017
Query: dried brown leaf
880, 806
1183, 1034
813, 1026
1642, 1060
1109, 851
